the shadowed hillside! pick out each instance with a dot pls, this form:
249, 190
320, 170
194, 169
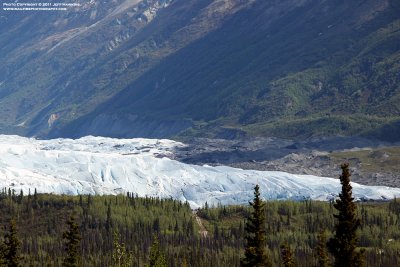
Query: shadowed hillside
203, 68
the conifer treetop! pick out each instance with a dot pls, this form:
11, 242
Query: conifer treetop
255, 251
344, 243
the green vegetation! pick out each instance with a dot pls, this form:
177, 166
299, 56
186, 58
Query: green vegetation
321, 250
41, 222
72, 244
255, 251
384, 159
344, 243
287, 256
121, 257
318, 125
157, 257
10, 249
300, 223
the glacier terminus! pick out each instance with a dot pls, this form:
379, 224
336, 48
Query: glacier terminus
100, 165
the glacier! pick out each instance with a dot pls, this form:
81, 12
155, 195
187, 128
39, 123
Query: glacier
100, 165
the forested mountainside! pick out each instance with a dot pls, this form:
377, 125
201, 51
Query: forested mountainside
217, 68
41, 221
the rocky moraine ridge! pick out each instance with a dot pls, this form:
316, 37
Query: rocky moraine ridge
372, 162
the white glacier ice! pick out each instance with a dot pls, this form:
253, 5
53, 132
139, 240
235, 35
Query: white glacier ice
98, 165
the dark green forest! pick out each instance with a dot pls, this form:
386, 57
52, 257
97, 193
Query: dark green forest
126, 226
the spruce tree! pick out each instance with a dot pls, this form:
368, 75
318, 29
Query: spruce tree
121, 257
108, 218
343, 244
320, 250
287, 256
255, 254
11, 247
72, 243
157, 257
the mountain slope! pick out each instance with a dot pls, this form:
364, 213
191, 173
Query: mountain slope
216, 67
